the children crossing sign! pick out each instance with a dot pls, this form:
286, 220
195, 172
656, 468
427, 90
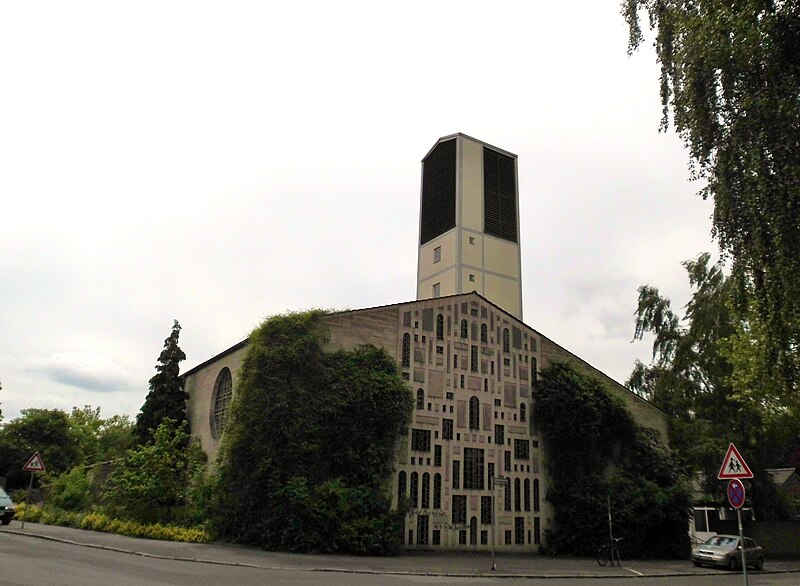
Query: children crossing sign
734, 466
35, 464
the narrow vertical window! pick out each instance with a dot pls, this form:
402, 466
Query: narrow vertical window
527, 494
456, 474
437, 254
440, 327
474, 413
473, 531
437, 289
406, 360
536, 495
401, 487
506, 343
413, 490
517, 495
484, 333
464, 329
437, 491
522, 412
420, 399
473, 359
426, 491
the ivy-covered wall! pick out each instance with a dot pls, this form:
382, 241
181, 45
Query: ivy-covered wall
598, 454
307, 452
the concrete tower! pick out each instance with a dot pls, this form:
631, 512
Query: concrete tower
469, 223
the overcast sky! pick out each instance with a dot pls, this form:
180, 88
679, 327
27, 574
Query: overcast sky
217, 163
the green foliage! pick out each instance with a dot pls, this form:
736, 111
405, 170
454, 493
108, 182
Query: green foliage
597, 452
712, 371
70, 491
309, 444
44, 430
98, 439
730, 77
95, 521
166, 399
151, 483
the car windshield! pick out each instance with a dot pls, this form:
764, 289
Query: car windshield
3, 493
722, 541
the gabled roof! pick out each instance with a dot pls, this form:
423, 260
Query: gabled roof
440, 299
461, 134
781, 476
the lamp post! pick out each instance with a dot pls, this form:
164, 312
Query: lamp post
502, 481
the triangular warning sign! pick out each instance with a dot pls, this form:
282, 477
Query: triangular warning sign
734, 466
35, 464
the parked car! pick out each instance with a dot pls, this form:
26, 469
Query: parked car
7, 509
725, 551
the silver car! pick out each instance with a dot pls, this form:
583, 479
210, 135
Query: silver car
7, 509
725, 551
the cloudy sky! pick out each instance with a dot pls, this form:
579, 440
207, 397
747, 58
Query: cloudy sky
217, 163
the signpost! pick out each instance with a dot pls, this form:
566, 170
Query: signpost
33, 465
734, 468
501, 481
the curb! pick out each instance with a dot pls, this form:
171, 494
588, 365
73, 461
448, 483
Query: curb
634, 574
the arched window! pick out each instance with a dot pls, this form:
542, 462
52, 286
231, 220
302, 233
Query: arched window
536, 495
506, 344
474, 413
464, 328
223, 392
527, 498
484, 333
440, 327
517, 495
406, 350
522, 412
413, 489
420, 399
401, 487
426, 491
437, 491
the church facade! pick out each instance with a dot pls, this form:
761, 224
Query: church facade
472, 465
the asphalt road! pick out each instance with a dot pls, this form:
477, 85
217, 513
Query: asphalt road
56, 556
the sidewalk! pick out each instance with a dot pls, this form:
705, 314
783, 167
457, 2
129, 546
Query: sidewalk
456, 564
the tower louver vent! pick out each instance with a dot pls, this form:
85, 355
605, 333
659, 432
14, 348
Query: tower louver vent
438, 209
499, 195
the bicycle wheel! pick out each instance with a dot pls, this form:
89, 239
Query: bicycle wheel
602, 555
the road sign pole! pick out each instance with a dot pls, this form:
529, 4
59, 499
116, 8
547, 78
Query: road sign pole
494, 522
744, 548
27, 501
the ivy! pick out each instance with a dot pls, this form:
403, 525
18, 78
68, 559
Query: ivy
308, 449
598, 454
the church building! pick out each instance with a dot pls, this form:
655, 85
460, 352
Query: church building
469, 360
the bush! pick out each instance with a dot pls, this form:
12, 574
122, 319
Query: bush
70, 491
99, 522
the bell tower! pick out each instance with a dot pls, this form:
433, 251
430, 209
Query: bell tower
469, 223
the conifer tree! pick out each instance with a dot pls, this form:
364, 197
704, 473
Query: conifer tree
166, 398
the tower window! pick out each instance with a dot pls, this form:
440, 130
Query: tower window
499, 195
437, 289
438, 206
437, 254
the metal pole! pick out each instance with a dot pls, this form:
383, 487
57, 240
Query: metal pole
741, 542
610, 531
27, 501
494, 522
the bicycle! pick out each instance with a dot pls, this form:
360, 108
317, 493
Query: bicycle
609, 551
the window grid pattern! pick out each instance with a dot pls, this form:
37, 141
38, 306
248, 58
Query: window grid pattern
473, 469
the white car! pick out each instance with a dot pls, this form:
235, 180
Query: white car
725, 551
